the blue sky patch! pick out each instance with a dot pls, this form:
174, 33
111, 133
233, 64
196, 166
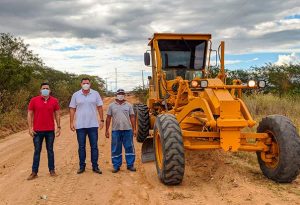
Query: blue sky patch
128, 58
295, 16
80, 57
76, 48
246, 61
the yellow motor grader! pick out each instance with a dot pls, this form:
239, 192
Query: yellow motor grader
188, 109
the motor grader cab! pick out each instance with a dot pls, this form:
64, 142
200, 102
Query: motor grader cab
187, 109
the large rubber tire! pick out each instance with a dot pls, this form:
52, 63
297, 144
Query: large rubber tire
170, 163
284, 133
142, 121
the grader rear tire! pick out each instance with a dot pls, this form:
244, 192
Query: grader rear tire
285, 147
142, 121
169, 150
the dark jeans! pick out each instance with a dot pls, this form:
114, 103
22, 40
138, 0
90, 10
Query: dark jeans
92, 133
38, 144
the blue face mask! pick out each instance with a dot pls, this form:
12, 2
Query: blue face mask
45, 92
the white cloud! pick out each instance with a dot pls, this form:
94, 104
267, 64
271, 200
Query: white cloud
78, 56
119, 30
293, 58
275, 26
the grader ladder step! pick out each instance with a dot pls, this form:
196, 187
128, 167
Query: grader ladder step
148, 151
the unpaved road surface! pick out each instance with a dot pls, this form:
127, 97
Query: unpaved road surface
211, 177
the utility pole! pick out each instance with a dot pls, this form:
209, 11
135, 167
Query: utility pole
116, 78
106, 85
143, 79
111, 87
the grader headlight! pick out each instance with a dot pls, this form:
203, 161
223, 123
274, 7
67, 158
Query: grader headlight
261, 83
194, 84
203, 83
251, 83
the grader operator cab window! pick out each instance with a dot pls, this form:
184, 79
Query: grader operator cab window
185, 58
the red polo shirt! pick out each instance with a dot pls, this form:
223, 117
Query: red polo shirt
43, 118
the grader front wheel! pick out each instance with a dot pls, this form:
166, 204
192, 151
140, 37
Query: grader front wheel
142, 121
169, 150
283, 158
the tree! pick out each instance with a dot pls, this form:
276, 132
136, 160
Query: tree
17, 63
281, 80
140, 93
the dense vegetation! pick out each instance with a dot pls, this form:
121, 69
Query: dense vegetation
282, 81
141, 93
21, 73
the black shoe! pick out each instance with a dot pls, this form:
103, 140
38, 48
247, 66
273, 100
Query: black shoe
81, 170
115, 170
132, 169
97, 170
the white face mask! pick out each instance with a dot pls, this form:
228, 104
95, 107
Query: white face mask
86, 86
120, 97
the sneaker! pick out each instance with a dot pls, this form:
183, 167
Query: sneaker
97, 170
53, 174
81, 170
32, 176
132, 169
115, 170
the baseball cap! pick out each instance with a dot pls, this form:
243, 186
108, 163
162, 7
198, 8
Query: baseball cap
120, 91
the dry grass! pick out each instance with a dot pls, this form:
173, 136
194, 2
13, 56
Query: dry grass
11, 122
263, 105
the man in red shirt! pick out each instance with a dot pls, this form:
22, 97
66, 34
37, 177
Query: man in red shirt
41, 112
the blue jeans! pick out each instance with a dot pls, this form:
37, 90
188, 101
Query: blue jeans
92, 133
38, 144
119, 138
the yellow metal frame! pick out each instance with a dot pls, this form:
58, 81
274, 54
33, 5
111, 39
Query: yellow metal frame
211, 117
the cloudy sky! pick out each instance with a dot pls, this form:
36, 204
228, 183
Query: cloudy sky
97, 36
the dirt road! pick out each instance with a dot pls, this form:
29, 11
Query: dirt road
211, 177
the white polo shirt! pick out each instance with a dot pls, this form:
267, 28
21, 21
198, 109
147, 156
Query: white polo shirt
86, 108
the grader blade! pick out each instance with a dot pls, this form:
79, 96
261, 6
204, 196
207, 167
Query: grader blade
148, 151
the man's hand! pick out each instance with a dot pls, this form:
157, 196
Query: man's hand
72, 127
101, 125
57, 133
134, 133
31, 132
107, 134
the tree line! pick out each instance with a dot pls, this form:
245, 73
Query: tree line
281, 80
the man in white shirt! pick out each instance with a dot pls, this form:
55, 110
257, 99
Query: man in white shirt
85, 104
